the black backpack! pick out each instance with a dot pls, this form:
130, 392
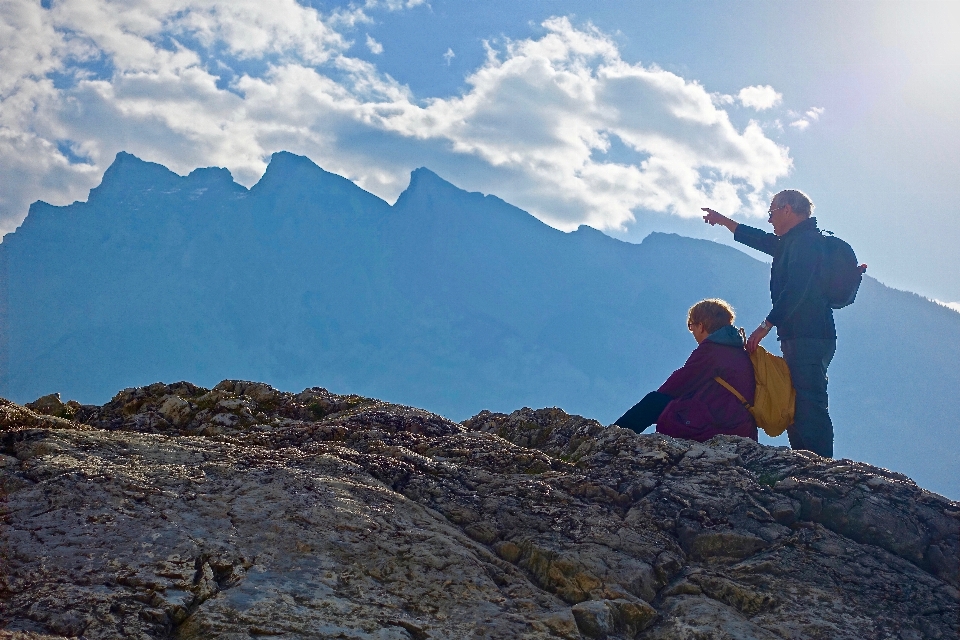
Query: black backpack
840, 273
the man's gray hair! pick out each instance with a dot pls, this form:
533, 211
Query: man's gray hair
800, 202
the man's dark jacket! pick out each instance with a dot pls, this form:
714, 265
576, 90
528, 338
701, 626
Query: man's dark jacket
800, 310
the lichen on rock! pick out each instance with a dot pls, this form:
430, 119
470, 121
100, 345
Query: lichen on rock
179, 511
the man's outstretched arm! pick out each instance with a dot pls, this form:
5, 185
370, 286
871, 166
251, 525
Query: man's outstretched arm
745, 234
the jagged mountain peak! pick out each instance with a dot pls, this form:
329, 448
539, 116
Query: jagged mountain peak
588, 232
285, 168
292, 175
424, 178
128, 173
434, 199
284, 161
426, 188
211, 176
125, 160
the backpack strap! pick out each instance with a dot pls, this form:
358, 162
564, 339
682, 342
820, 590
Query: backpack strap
729, 387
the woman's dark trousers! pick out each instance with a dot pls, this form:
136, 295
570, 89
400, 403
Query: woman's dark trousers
808, 359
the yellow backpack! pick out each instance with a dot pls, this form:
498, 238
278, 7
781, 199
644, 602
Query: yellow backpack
773, 404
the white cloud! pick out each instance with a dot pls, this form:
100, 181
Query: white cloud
549, 109
449, 55
394, 5
375, 47
950, 305
803, 122
759, 97
559, 124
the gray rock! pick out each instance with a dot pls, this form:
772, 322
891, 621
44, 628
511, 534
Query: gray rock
51, 405
595, 618
697, 617
179, 511
621, 617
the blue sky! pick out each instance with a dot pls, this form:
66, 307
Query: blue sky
626, 116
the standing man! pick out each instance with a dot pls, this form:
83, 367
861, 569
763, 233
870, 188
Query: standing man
801, 313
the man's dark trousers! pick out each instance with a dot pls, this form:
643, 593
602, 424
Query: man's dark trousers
808, 359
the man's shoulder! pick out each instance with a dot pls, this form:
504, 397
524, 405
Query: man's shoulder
808, 229
807, 235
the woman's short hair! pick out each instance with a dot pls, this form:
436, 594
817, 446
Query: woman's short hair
713, 314
800, 202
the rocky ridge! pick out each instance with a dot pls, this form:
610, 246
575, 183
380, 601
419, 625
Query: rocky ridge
178, 511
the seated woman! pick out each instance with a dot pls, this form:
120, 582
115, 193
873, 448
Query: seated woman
691, 404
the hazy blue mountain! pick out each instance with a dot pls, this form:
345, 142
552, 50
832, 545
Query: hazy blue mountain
447, 300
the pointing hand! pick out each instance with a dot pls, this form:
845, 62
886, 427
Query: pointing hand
712, 216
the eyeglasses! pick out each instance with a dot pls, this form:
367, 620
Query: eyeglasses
772, 211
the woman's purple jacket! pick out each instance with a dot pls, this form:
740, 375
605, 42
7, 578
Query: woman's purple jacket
701, 408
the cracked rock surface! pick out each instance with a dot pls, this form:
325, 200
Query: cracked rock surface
242, 511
